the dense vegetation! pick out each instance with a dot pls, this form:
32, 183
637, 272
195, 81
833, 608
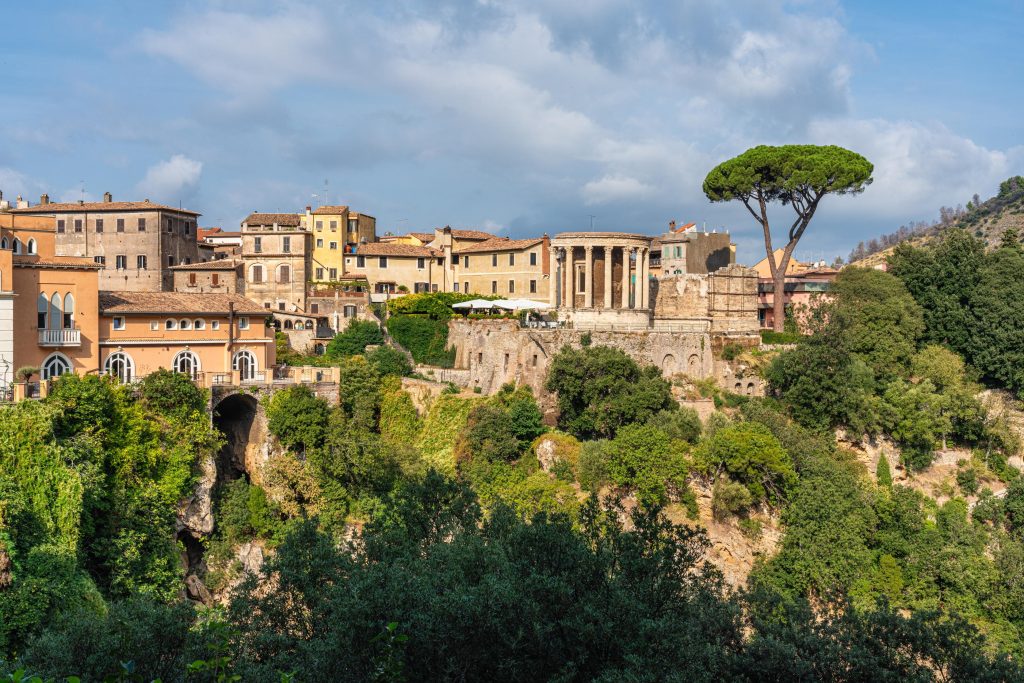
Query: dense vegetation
419, 322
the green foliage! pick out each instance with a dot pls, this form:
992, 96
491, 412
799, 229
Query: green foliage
772, 337
444, 422
967, 479
729, 498
643, 458
527, 490
731, 351
389, 361
86, 404
26, 372
681, 425
883, 472
359, 392
172, 394
245, 513
354, 340
297, 417
435, 305
751, 455
399, 421
601, 389
425, 337
566, 449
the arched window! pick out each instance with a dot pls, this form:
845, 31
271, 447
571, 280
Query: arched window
32, 246
318, 349
185, 325
245, 363
42, 310
309, 324
187, 363
4, 244
287, 324
55, 365
256, 273
170, 324
284, 274
17, 246
121, 366
199, 324
69, 312
55, 319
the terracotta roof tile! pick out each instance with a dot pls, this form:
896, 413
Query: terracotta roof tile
499, 244
333, 210
423, 236
174, 302
55, 262
216, 264
393, 249
203, 233
75, 207
472, 235
286, 219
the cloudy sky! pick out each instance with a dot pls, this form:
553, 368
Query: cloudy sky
520, 117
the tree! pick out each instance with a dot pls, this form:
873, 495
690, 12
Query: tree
796, 175
298, 418
601, 388
354, 340
389, 361
997, 337
751, 455
643, 458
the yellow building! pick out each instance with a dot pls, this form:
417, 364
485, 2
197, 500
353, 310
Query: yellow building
516, 269
335, 231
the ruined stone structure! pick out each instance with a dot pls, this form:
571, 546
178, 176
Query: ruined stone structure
602, 288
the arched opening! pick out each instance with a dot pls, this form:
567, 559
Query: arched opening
751, 389
121, 366
309, 324
287, 324
55, 317
738, 388
187, 363
17, 246
42, 311
4, 244
318, 349
668, 364
69, 312
31, 247
235, 417
692, 365
55, 365
245, 363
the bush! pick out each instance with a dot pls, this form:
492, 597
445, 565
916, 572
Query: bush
172, 393
771, 337
424, 337
729, 498
297, 417
682, 424
389, 361
353, 341
731, 351
967, 479
751, 455
643, 458
592, 468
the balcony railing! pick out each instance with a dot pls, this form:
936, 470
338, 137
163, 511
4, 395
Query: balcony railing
68, 337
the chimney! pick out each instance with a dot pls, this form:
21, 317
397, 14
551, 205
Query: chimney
21, 203
44, 199
672, 226
309, 209
107, 197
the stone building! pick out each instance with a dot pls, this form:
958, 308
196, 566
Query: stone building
220, 276
516, 269
687, 250
136, 243
390, 267
276, 256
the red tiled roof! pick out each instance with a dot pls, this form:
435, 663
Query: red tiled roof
392, 249
499, 244
55, 262
174, 302
76, 207
472, 235
203, 233
286, 219
332, 210
423, 236
216, 264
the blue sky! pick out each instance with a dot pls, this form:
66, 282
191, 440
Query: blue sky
521, 117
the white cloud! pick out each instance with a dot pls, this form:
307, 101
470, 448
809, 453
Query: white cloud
615, 188
171, 180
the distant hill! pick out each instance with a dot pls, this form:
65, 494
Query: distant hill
986, 220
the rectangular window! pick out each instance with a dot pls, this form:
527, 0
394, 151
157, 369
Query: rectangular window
433, 288
420, 263
142, 225
533, 286
121, 262
215, 325
494, 260
533, 258
360, 261
319, 226
479, 357
440, 260
60, 225
118, 322
99, 225
511, 259
78, 225
353, 224
319, 273
280, 305
465, 261
140, 261
102, 260
266, 305
191, 279
333, 245
286, 245
154, 325
120, 225
332, 273
215, 279
319, 242
170, 261
456, 286
581, 277
257, 245
383, 262
534, 360
511, 286
334, 226
314, 308
243, 323
494, 286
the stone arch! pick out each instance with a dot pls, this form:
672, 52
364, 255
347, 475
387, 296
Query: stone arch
693, 364
751, 389
738, 388
668, 364
237, 416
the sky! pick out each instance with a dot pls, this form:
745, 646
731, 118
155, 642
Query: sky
520, 118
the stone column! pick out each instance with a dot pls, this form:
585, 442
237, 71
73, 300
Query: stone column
625, 277
588, 277
552, 277
608, 277
570, 277
643, 277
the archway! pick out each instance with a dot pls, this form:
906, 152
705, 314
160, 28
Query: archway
668, 364
692, 365
235, 417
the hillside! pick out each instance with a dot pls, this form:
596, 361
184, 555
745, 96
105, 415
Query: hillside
986, 220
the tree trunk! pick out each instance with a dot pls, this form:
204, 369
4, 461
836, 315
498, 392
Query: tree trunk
779, 299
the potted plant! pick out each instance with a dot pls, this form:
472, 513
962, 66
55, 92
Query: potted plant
25, 373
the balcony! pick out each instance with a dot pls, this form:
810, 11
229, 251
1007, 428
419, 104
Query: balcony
69, 337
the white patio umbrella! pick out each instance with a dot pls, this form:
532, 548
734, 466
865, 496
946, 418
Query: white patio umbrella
475, 304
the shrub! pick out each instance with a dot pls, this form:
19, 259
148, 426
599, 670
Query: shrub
729, 498
172, 393
682, 424
771, 337
424, 337
883, 473
643, 458
967, 479
592, 468
731, 351
389, 361
297, 417
751, 455
353, 341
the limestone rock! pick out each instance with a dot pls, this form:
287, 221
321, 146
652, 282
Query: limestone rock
196, 512
197, 590
547, 453
250, 556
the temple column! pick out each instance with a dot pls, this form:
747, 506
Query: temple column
552, 277
608, 277
570, 277
588, 277
625, 277
643, 277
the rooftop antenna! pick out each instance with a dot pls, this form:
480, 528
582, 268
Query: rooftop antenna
315, 197
325, 192
82, 183
592, 217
